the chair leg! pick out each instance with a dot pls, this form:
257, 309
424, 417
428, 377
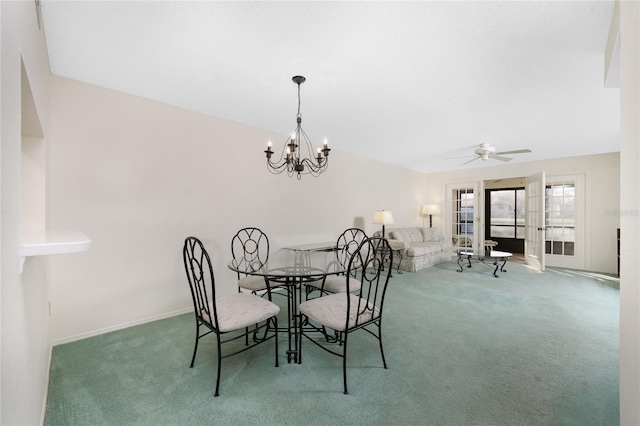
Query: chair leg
219, 366
195, 348
344, 364
384, 361
275, 330
246, 334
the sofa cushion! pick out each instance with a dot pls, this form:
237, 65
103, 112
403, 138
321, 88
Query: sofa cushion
408, 235
397, 244
424, 248
431, 234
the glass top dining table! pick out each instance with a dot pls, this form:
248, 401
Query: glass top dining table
285, 265
291, 269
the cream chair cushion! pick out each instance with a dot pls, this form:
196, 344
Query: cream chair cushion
331, 310
242, 310
252, 282
336, 284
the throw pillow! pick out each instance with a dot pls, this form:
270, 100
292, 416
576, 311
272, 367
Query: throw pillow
408, 235
431, 235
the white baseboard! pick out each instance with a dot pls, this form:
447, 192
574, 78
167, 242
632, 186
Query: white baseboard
118, 327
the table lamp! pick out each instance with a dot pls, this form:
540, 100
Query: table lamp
430, 209
382, 217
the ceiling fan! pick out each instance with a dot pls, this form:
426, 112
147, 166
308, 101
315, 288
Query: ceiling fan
485, 152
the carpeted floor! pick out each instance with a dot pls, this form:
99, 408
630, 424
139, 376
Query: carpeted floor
465, 348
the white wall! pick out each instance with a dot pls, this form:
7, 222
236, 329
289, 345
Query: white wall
139, 176
630, 213
26, 342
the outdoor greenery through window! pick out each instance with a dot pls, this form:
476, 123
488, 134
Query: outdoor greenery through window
560, 232
507, 213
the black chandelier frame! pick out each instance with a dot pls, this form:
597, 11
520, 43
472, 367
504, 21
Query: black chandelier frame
297, 155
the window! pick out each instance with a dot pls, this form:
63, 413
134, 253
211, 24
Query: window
463, 212
507, 216
560, 235
461, 203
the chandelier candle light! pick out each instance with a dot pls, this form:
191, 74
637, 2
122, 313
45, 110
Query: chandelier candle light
297, 156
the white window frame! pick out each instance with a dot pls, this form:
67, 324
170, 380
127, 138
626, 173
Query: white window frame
578, 260
447, 223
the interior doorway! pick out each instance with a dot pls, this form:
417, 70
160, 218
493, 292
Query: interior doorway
505, 218
562, 223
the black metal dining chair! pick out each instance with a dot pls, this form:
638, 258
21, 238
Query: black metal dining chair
347, 243
229, 318
349, 312
250, 247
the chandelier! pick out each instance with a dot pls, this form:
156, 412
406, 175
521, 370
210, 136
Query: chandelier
297, 155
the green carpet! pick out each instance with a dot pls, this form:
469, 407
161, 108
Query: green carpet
465, 348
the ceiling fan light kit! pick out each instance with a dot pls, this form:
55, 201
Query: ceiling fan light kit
486, 151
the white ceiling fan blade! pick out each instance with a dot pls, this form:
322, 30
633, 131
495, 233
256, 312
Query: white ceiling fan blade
463, 156
517, 151
473, 159
497, 157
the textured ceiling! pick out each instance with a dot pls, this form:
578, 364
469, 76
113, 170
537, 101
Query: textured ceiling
409, 83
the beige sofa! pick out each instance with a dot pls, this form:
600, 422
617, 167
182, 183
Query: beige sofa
418, 248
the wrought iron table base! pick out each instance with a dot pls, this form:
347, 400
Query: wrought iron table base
482, 259
295, 289
386, 259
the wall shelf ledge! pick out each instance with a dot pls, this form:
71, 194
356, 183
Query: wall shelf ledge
53, 242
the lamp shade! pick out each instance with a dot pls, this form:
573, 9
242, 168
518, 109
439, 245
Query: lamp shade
382, 217
430, 209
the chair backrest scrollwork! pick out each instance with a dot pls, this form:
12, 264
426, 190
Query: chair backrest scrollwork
199, 270
367, 265
348, 243
250, 249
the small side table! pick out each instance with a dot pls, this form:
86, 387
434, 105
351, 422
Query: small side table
497, 256
397, 249
397, 252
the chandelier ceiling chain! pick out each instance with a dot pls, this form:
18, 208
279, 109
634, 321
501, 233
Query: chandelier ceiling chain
297, 155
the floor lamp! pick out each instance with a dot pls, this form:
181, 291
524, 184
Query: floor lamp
429, 209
